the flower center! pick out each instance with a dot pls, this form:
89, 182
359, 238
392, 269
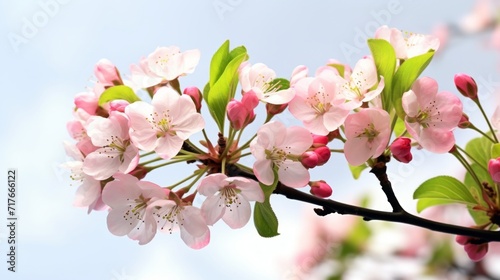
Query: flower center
369, 132
229, 193
163, 124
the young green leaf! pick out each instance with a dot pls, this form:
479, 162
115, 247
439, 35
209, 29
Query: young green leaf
264, 218
118, 92
495, 150
218, 63
404, 77
384, 57
480, 149
356, 170
442, 190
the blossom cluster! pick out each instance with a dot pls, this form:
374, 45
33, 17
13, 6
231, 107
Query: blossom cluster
120, 137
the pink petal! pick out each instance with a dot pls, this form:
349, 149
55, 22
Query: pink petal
102, 163
238, 214
117, 225
213, 209
293, 174
425, 89
436, 141
212, 184
168, 146
250, 189
88, 192
263, 171
357, 151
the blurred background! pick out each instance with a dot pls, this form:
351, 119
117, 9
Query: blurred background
48, 50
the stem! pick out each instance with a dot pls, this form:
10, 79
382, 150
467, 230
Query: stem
147, 154
482, 133
193, 147
487, 120
467, 166
472, 158
151, 161
170, 162
337, 151
244, 146
186, 179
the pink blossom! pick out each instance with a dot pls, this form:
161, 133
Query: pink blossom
170, 216
228, 198
87, 101
480, 18
164, 124
430, 116
129, 199
278, 147
318, 103
118, 105
367, 134
88, 193
358, 86
401, 149
407, 44
258, 78
116, 154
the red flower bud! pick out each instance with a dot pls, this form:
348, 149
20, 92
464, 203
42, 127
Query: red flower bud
323, 154
319, 140
464, 121
195, 95
475, 250
401, 149
139, 172
273, 109
466, 85
309, 159
320, 189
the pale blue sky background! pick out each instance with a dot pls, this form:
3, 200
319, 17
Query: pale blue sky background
42, 75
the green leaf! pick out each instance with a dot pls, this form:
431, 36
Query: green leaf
384, 57
356, 170
223, 80
340, 68
264, 218
118, 92
218, 63
495, 150
400, 127
406, 74
442, 190
480, 149
479, 217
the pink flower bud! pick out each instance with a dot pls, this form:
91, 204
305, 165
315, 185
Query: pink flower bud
319, 140
88, 101
250, 100
106, 73
195, 95
139, 172
494, 169
238, 114
466, 85
464, 121
309, 159
475, 250
118, 105
401, 149
323, 154
273, 109
320, 189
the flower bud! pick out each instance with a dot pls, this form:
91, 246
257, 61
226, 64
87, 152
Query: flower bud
118, 105
195, 95
273, 109
88, 101
475, 250
106, 73
320, 189
464, 121
333, 135
494, 169
139, 172
323, 153
238, 114
466, 85
309, 159
319, 140
401, 149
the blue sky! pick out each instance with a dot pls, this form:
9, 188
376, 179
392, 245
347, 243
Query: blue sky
48, 49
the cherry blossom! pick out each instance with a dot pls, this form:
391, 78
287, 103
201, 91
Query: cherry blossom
106, 73
318, 102
228, 198
129, 199
164, 124
430, 116
164, 64
116, 154
367, 133
170, 216
279, 147
407, 45
88, 193
258, 78
358, 85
